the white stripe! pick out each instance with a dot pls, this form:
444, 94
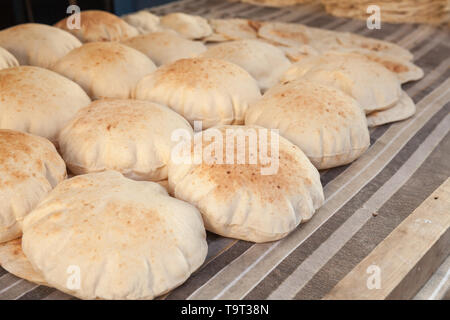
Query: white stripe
441, 284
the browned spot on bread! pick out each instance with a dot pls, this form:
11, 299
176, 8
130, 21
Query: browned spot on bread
294, 35
389, 64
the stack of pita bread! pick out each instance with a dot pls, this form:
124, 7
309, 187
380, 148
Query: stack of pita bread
118, 103
395, 11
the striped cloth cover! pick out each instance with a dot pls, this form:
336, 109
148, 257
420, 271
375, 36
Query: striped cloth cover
405, 163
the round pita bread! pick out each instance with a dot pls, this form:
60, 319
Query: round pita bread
404, 109
129, 136
231, 29
371, 84
38, 101
189, 26
240, 200
14, 261
105, 69
265, 62
328, 125
30, 167
96, 25
124, 239
209, 90
144, 21
165, 47
37, 44
7, 60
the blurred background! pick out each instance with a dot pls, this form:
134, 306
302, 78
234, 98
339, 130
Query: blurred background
13, 12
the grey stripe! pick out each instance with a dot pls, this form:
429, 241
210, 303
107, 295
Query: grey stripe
424, 181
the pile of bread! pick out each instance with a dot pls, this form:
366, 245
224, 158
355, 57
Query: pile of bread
103, 102
394, 11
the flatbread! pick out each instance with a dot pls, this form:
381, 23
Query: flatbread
30, 167
130, 136
38, 101
7, 60
37, 44
144, 21
371, 84
326, 124
189, 26
265, 62
231, 29
105, 69
14, 261
96, 25
241, 200
123, 239
403, 109
165, 46
209, 90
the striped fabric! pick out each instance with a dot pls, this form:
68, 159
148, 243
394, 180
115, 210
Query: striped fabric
405, 163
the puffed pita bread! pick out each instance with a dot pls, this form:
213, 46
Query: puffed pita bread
7, 60
295, 54
238, 200
96, 25
371, 84
38, 101
231, 29
328, 125
14, 261
144, 21
404, 69
37, 44
129, 136
127, 239
403, 109
105, 69
165, 46
209, 90
189, 26
265, 62
30, 167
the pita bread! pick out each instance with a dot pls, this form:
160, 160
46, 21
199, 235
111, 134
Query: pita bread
7, 60
38, 101
165, 46
105, 69
14, 261
403, 109
287, 34
237, 200
125, 239
144, 21
209, 90
37, 44
96, 25
405, 70
129, 136
231, 29
189, 26
328, 125
297, 35
351, 40
30, 167
295, 54
266, 63
371, 84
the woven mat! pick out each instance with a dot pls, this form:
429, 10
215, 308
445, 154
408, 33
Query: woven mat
405, 163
